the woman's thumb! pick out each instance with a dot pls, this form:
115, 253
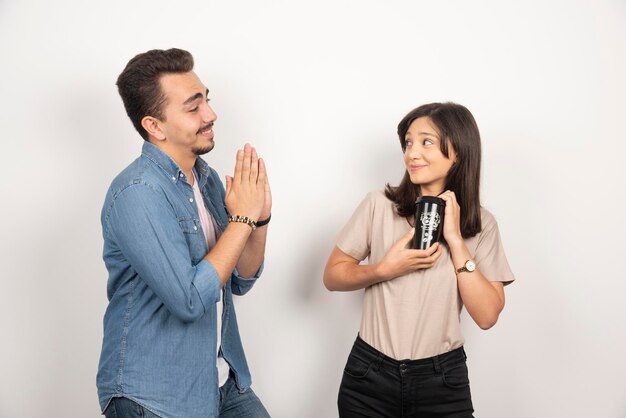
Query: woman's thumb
408, 236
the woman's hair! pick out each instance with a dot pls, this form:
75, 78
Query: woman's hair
456, 127
139, 83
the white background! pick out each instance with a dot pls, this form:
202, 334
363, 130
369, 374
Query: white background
319, 88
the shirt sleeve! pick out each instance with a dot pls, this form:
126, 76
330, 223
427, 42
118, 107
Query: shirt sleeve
355, 239
146, 230
490, 257
241, 285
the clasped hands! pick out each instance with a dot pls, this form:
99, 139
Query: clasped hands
248, 191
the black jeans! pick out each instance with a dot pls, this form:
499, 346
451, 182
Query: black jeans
375, 385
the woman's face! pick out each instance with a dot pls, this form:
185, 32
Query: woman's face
426, 164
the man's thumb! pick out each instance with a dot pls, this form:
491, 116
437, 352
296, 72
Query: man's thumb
229, 182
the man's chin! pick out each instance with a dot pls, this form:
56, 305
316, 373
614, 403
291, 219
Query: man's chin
204, 150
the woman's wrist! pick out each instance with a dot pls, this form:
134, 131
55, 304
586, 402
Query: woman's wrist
455, 243
380, 272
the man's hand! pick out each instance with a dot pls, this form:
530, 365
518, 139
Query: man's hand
248, 190
267, 208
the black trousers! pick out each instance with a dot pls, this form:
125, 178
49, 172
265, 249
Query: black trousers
375, 385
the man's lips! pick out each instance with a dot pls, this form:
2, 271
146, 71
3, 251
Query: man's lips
206, 129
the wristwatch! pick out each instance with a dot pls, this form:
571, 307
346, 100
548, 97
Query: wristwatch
469, 266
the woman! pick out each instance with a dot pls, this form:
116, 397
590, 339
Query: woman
408, 359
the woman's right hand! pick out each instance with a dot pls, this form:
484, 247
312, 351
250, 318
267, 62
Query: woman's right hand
401, 260
343, 272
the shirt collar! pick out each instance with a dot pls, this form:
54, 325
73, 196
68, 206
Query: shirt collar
167, 164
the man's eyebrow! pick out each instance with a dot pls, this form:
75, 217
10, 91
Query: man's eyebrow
194, 98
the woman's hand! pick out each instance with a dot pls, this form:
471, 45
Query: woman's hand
401, 260
452, 218
343, 272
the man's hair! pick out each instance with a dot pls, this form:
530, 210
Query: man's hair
139, 83
456, 127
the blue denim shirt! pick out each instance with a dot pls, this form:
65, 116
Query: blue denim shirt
159, 345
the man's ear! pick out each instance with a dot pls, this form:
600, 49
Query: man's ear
153, 126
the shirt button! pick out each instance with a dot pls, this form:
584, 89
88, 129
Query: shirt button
181, 174
173, 178
195, 228
190, 200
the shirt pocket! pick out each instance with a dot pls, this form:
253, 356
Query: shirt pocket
189, 226
192, 230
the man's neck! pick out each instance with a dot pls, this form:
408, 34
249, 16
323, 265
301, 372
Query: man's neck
187, 167
186, 161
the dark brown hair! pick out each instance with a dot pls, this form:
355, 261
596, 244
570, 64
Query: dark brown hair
139, 84
457, 128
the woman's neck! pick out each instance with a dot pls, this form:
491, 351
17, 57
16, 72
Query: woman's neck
430, 191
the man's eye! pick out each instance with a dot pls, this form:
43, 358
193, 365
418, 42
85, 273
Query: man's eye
195, 109
208, 100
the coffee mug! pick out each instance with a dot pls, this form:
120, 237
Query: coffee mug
429, 212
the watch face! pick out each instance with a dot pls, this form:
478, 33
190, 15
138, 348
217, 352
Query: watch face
470, 265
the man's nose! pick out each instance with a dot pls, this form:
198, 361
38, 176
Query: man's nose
208, 115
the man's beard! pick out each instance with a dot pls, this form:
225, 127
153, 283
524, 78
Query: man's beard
203, 150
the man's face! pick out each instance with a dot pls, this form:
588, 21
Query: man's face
188, 124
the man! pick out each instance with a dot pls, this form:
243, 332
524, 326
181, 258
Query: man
177, 246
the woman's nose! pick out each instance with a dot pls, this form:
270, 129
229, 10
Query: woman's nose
414, 153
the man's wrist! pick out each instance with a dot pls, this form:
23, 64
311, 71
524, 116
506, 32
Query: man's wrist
244, 220
263, 222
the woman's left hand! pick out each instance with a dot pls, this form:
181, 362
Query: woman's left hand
452, 218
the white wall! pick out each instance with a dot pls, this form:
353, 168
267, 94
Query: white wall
319, 87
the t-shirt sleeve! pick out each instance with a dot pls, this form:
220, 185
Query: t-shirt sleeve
490, 257
355, 238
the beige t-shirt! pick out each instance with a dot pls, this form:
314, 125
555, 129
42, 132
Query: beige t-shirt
417, 315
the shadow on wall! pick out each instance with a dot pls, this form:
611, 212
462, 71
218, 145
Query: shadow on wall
62, 265
336, 318
337, 313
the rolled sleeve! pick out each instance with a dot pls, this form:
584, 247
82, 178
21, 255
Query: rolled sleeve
241, 285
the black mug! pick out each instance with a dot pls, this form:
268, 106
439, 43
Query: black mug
429, 212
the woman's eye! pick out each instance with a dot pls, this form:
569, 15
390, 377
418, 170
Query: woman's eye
428, 142
408, 143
